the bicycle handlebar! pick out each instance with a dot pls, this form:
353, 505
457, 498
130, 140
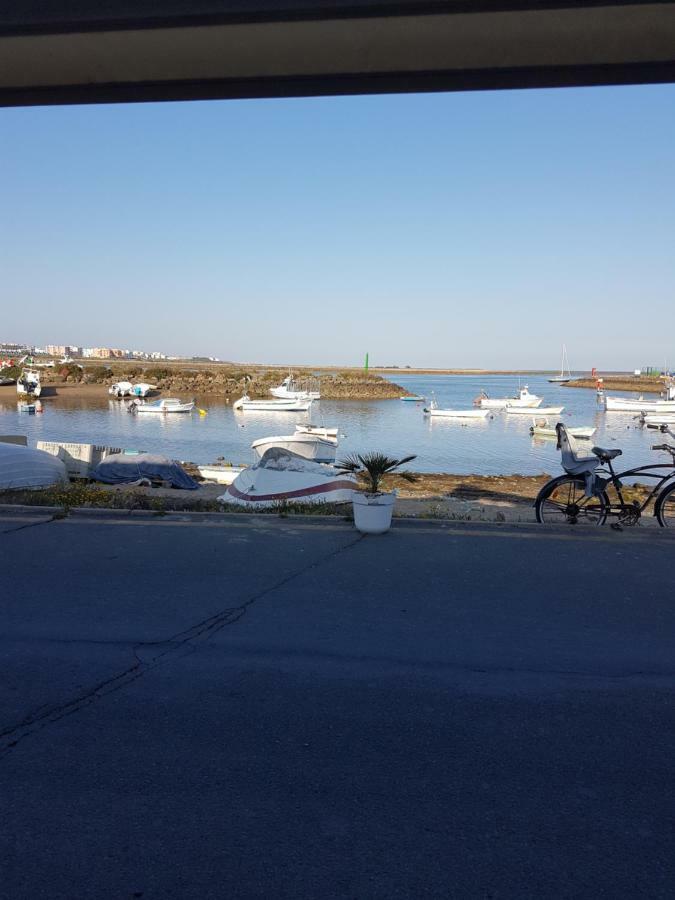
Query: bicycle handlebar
669, 448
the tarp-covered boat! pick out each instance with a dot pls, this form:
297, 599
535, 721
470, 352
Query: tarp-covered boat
281, 476
121, 468
22, 467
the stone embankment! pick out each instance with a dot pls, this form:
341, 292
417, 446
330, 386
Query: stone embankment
232, 381
638, 383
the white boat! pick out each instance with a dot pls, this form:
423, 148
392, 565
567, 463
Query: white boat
220, 472
142, 389
317, 429
245, 404
283, 477
544, 410
289, 389
22, 467
524, 398
120, 389
310, 446
29, 383
665, 404
658, 419
433, 410
541, 428
564, 376
163, 407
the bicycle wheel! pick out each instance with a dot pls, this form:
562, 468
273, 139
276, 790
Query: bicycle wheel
564, 501
665, 507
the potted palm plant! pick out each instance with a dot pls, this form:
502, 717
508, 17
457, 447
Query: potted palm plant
373, 508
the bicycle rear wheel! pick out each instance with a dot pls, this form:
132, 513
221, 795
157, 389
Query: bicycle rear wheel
564, 501
665, 507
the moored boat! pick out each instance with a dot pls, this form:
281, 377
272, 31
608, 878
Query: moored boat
289, 389
541, 428
165, 406
413, 399
564, 376
543, 411
284, 477
317, 429
664, 404
658, 419
433, 410
245, 404
523, 398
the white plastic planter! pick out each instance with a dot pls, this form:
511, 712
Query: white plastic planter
373, 512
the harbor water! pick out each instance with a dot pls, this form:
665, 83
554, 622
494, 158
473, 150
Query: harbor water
498, 445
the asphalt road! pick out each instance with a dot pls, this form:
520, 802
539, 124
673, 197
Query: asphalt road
265, 709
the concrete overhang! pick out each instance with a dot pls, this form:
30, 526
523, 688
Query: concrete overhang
94, 52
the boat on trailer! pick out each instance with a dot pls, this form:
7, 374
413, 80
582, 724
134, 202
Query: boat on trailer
245, 404
523, 398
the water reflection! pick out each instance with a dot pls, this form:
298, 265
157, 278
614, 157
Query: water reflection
497, 445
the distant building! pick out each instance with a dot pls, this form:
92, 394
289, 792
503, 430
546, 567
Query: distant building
62, 350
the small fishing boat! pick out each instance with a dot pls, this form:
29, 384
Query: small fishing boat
220, 472
142, 389
317, 429
541, 428
29, 383
289, 389
658, 419
433, 410
163, 407
565, 374
523, 398
120, 389
284, 477
310, 446
413, 399
665, 404
245, 404
543, 411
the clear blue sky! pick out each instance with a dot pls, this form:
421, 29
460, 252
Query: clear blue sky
477, 229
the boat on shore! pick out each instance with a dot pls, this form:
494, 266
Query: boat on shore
28, 383
565, 374
120, 389
142, 389
284, 477
543, 411
245, 404
220, 472
165, 406
541, 428
522, 399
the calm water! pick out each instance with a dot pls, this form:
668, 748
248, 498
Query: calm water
501, 445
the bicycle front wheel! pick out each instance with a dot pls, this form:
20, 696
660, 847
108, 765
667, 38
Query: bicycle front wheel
665, 507
564, 501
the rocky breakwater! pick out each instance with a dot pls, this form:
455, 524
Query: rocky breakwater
642, 384
234, 381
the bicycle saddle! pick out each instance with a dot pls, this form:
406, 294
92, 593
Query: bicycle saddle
605, 455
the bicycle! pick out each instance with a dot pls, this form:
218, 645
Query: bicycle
580, 495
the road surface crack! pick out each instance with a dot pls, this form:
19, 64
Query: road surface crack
149, 655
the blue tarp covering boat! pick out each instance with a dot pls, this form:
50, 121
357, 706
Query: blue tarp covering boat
120, 468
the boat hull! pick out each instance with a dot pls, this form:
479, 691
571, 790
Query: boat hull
306, 482
309, 446
458, 413
624, 404
246, 405
545, 411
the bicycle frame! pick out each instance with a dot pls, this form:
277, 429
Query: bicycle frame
644, 471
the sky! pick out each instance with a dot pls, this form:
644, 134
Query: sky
475, 229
